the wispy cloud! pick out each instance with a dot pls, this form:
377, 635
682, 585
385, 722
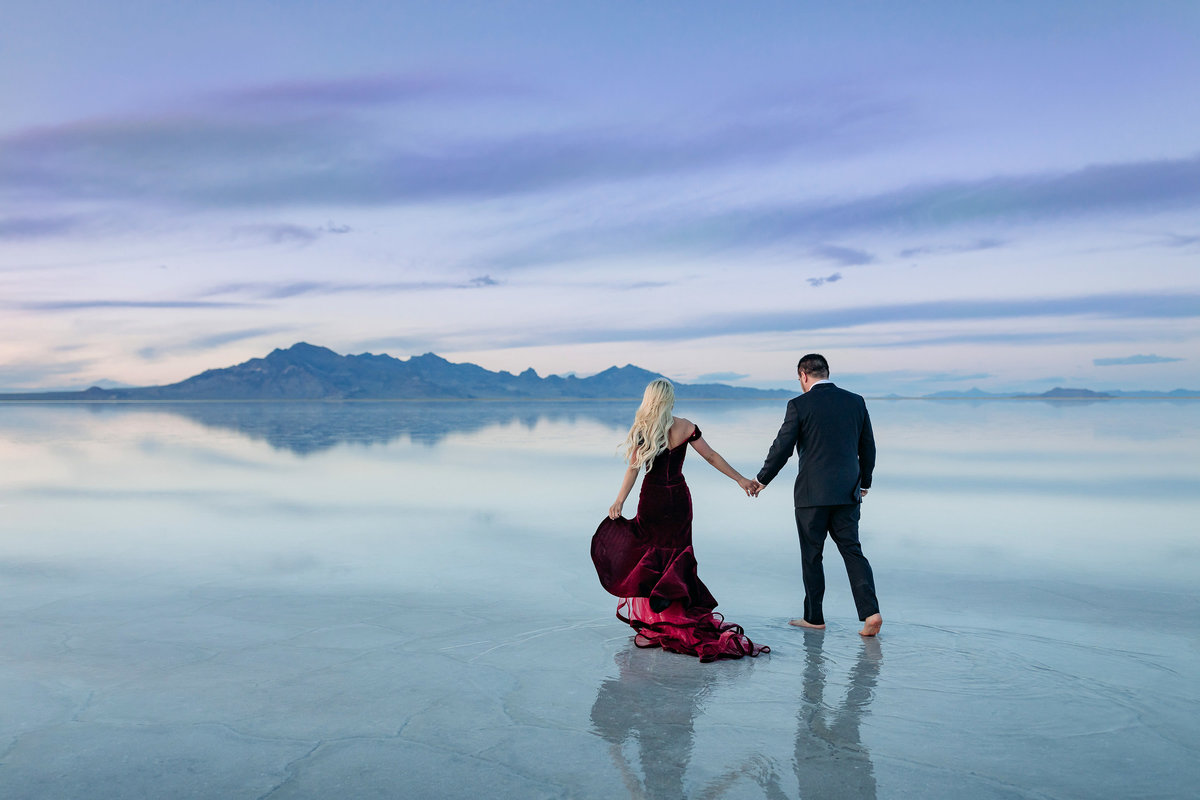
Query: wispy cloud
367, 90
720, 377
251, 154
834, 278
80, 305
285, 233
37, 227
394, 344
1082, 335
1179, 240
845, 256
1111, 306
1093, 192
281, 290
19, 376
1133, 360
208, 342
948, 249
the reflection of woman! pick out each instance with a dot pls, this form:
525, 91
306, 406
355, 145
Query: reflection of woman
648, 561
656, 705
659, 711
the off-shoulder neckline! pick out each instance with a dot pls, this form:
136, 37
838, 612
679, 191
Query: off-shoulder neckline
695, 430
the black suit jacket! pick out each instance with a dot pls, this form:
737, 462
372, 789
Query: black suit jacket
830, 430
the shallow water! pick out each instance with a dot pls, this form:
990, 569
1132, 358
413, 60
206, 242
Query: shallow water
395, 599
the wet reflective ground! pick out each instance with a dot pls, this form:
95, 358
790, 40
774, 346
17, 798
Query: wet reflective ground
395, 599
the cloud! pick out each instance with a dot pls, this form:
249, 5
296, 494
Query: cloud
275, 154
720, 377
209, 342
1111, 306
286, 233
834, 278
1133, 360
24, 376
845, 256
1034, 338
931, 250
1036, 198
365, 90
266, 290
1178, 240
279, 234
37, 227
80, 305
393, 345
958, 376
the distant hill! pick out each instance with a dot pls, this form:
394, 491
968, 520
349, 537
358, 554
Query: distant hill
308, 372
1059, 393
972, 392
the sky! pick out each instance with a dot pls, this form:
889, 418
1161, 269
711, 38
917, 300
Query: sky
936, 196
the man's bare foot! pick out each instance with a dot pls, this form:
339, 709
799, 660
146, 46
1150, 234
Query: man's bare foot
871, 625
803, 623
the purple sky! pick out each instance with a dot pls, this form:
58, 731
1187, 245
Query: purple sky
935, 197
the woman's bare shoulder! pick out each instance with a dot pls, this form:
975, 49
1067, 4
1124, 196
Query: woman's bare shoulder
681, 431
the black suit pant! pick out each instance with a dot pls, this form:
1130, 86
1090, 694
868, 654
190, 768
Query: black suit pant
841, 524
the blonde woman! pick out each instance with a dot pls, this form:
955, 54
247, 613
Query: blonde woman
648, 561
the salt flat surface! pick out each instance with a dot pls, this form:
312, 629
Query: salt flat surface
395, 600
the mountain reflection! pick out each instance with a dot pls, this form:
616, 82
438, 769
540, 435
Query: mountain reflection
305, 428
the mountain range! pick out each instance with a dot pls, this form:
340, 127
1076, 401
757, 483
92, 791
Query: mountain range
1058, 393
308, 372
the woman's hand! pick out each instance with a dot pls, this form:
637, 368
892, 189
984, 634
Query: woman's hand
749, 487
614, 510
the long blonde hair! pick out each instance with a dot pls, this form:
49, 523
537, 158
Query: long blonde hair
648, 435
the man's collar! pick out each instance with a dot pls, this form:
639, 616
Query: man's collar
818, 383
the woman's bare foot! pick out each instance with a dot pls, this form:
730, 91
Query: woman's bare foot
871, 625
803, 623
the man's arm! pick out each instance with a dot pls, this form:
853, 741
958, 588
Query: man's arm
866, 451
782, 447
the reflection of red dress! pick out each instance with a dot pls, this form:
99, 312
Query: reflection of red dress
648, 562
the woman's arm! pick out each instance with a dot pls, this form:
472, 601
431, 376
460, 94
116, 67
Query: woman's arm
614, 510
713, 457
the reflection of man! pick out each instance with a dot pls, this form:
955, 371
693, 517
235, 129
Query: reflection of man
830, 430
830, 759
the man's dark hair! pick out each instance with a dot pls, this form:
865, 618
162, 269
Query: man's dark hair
815, 365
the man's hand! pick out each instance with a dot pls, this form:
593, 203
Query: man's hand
862, 492
758, 487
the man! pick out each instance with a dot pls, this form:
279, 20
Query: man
830, 430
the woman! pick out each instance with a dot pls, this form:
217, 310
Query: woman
648, 561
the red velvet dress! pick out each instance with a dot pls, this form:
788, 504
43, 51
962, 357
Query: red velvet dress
649, 564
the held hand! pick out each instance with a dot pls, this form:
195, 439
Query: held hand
614, 510
758, 487
748, 486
